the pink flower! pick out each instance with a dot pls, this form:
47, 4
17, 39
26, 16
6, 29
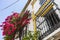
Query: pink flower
8, 19
16, 15
13, 30
11, 25
25, 22
4, 33
9, 33
1, 25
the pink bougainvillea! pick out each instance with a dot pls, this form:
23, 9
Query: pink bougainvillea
13, 23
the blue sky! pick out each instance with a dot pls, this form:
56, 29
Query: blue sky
17, 7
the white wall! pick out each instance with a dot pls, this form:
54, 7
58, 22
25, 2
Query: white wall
58, 3
36, 7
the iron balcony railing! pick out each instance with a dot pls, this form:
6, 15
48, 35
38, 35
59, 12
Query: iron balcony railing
48, 24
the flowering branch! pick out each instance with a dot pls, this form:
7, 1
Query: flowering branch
13, 24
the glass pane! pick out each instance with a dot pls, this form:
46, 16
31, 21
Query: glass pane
42, 1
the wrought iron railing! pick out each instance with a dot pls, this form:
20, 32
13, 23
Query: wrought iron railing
49, 24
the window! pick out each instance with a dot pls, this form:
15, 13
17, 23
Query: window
42, 1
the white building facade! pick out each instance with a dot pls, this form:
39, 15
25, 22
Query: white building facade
47, 29
49, 24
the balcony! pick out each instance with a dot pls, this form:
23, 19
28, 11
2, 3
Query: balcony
48, 24
52, 29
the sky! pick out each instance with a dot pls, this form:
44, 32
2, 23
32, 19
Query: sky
4, 12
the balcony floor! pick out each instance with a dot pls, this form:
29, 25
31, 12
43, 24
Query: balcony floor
53, 36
